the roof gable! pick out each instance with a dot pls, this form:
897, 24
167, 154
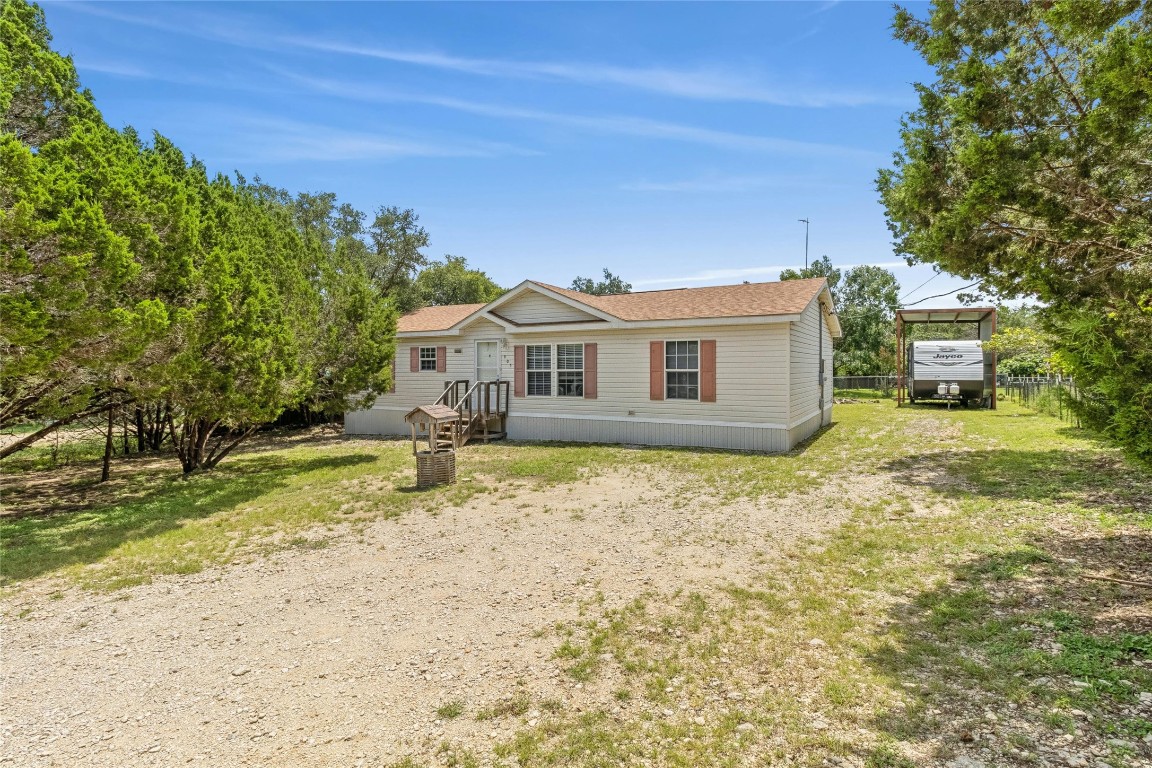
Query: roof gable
536, 307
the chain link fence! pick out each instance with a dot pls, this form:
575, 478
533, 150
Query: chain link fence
864, 386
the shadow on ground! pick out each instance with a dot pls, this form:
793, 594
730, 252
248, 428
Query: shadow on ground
1086, 478
1033, 635
39, 544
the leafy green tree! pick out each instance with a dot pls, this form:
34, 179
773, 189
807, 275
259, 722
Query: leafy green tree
129, 278
452, 282
1026, 168
611, 284
396, 255
75, 321
40, 95
354, 340
867, 308
1021, 351
821, 267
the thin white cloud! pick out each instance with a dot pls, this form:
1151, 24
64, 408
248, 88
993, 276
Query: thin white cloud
606, 124
113, 68
267, 139
719, 276
708, 84
702, 84
710, 184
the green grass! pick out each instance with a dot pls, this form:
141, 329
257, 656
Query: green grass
48, 454
162, 524
863, 394
958, 587
915, 611
450, 710
516, 704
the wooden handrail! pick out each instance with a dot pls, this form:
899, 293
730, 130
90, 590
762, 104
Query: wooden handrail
453, 386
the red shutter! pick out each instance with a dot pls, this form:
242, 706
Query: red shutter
518, 375
441, 359
708, 371
589, 371
414, 357
656, 370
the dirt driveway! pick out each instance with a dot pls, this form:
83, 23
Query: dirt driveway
342, 655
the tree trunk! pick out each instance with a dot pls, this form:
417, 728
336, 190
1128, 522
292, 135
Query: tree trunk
141, 444
106, 470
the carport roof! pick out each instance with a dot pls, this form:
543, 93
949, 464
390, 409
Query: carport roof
947, 315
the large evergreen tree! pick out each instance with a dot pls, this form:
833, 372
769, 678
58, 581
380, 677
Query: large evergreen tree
128, 277
1026, 168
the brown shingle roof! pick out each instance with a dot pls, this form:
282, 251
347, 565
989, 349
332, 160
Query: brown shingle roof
787, 297
435, 318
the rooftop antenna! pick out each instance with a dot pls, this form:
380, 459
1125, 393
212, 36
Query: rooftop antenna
805, 241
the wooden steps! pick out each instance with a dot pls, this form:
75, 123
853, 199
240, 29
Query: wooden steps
483, 409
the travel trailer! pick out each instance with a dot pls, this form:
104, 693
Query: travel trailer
947, 370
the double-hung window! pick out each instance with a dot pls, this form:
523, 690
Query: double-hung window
564, 379
539, 370
570, 370
682, 370
427, 358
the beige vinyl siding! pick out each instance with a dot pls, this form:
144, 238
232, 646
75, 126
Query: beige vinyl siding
828, 372
751, 375
532, 307
804, 355
386, 416
751, 411
804, 352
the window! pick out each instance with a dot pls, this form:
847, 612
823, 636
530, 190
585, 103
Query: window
539, 370
682, 370
566, 379
427, 358
570, 370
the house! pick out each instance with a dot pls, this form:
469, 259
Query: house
738, 366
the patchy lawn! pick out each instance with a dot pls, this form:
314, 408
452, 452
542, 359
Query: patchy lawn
912, 587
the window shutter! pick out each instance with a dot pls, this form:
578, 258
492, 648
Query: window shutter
589, 371
655, 370
441, 359
414, 357
518, 375
708, 371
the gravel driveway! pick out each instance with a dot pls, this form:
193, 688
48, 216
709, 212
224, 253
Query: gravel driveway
341, 655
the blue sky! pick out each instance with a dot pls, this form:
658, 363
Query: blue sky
675, 144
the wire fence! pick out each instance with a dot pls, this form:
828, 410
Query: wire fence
864, 386
1055, 395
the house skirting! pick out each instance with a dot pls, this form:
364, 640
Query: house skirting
808, 426
616, 429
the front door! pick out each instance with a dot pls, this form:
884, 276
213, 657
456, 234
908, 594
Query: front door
487, 361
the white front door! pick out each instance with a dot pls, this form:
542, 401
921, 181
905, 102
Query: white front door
487, 361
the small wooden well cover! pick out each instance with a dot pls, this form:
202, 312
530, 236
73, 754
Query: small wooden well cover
432, 414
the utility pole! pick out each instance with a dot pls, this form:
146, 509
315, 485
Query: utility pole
805, 242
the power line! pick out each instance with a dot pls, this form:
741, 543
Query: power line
921, 286
946, 293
